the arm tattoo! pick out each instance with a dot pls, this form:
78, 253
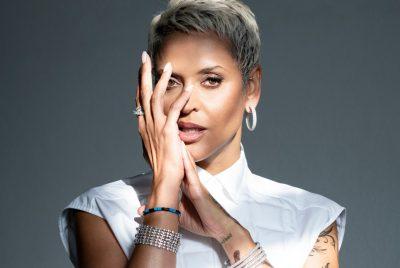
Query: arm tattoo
226, 238
325, 238
236, 255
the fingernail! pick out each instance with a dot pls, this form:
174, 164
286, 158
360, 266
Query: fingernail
144, 57
167, 67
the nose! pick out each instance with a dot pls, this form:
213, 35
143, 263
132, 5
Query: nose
193, 101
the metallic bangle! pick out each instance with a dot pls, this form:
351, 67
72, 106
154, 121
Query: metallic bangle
255, 257
158, 237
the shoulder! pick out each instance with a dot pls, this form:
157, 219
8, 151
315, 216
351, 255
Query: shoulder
116, 202
312, 212
123, 194
130, 189
295, 196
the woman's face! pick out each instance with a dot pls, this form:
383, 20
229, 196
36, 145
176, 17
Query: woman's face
217, 102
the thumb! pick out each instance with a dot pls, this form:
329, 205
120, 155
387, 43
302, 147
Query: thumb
141, 209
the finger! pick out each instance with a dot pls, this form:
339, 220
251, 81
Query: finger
177, 106
146, 155
137, 102
146, 87
185, 205
157, 99
143, 132
146, 147
190, 172
190, 157
141, 209
192, 162
146, 90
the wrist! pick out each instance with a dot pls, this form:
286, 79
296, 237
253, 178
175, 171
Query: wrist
237, 242
164, 195
162, 219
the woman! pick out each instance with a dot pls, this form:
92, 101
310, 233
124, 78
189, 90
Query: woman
200, 205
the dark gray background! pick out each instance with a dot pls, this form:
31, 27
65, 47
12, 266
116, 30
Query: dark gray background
327, 120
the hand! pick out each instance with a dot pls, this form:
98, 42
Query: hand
203, 215
200, 212
160, 132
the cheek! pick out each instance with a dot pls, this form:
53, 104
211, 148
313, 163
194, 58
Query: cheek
226, 110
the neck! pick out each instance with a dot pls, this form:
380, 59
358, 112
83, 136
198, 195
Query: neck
224, 157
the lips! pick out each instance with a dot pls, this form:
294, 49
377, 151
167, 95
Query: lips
190, 132
189, 125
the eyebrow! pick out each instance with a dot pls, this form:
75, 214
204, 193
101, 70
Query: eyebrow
202, 71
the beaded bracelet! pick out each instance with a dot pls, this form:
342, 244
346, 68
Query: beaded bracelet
155, 209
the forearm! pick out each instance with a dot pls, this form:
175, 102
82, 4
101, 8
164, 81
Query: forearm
150, 256
237, 243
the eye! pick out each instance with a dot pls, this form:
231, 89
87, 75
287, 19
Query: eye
171, 83
214, 81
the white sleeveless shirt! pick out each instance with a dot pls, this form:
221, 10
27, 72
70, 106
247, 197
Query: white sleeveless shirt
286, 220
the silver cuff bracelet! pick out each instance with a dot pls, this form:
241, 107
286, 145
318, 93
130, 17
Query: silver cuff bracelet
158, 237
255, 257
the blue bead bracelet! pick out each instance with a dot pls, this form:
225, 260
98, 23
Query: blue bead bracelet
155, 209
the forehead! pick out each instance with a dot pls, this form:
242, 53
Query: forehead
195, 50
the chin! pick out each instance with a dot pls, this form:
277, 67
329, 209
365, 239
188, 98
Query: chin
197, 150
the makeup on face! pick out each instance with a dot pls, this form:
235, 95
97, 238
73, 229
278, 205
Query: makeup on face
190, 132
210, 121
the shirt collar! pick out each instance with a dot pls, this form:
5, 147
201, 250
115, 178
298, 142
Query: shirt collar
231, 179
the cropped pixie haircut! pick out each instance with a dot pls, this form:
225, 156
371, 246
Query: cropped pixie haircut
231, 20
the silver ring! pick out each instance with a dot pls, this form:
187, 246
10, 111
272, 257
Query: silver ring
138, 111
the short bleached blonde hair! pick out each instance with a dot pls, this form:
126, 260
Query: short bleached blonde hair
231, 20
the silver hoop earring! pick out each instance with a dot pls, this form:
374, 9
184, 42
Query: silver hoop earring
254, 115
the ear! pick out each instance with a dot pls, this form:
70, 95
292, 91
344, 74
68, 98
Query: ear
253, 88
